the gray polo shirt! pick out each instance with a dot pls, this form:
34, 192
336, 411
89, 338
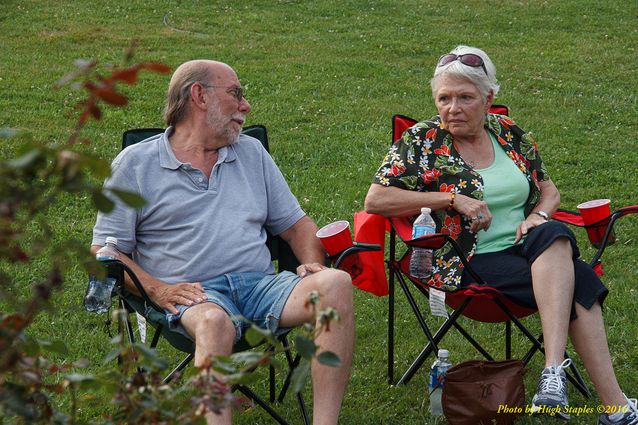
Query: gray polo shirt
194, 229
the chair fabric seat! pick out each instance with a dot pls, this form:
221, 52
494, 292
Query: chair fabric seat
481, 307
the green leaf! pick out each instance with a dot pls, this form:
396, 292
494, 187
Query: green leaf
57, 346
26, 160
76, 378
241, 378
248, 357
99, 167
256, 335
31, 346
112, 355
329, 358
300, 376
305, 346
102, 203
224, 364
151, 356
131, 199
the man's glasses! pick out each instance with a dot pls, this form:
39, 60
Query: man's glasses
469, 59
237, 92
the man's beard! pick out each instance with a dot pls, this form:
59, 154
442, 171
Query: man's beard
217, 122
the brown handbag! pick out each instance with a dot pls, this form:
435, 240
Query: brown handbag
484, 392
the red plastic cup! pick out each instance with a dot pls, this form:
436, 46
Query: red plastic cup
593, 212
335, 237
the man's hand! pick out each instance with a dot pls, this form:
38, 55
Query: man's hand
533, 220
307, 269
168, 296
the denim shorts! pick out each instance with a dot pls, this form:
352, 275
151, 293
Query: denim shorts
510, 270
251, 297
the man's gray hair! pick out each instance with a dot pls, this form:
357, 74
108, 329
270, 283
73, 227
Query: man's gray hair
179, 88
484, 80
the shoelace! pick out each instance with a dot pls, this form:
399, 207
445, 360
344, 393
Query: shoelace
633, 408
553, 382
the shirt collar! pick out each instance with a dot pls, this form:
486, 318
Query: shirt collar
169, 160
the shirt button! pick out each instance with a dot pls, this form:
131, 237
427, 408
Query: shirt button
201, 179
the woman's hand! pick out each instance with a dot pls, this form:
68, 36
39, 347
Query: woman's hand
475, 210
528, 224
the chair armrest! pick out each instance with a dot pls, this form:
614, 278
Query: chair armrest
574, 218
431, 241
356, 247
121, 269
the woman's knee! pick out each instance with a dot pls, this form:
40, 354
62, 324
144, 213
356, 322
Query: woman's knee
560, 248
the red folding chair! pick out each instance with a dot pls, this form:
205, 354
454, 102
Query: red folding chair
477, 301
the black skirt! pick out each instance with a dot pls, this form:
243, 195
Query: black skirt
510, 271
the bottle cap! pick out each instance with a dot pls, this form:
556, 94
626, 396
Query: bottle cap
444, 353
111, 239
425, 210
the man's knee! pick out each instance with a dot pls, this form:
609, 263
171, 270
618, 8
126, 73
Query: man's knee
215, 322
335, 290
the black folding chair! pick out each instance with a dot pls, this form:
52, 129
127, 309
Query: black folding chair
280, 252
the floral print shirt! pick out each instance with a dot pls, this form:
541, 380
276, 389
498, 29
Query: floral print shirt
425, 159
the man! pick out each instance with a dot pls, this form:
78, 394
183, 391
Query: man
198, 245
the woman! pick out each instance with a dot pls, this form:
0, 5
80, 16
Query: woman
487, 185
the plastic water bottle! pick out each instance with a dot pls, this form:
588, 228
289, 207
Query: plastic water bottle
421, 261
98, 294
437, 380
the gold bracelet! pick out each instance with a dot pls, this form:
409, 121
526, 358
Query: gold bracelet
451, 204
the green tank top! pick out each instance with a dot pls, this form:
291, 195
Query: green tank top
506, 191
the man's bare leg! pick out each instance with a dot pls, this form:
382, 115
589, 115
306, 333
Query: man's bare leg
329, 383
214, 335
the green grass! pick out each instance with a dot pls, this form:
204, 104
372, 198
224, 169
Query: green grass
326, 77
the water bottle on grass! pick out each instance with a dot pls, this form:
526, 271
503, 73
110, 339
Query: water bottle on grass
437, 381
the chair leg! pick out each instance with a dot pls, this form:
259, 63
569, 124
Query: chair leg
508, 339
417, 312
416, 365
292, 364
577, 379
254, 397
472, 341
432, 345
303, 409
391, 271
178, 368
126, 327
391, 326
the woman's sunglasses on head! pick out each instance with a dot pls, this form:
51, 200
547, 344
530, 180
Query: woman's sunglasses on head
469, 59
